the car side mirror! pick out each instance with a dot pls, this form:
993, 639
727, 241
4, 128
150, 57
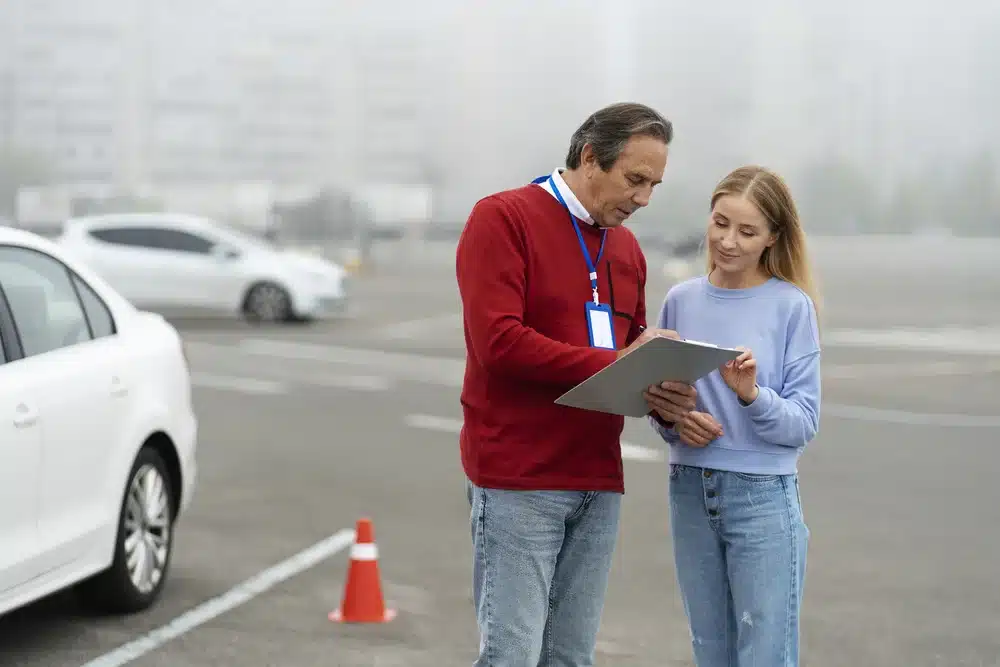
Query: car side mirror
227, 254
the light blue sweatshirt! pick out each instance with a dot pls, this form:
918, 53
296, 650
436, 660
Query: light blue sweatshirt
777, 322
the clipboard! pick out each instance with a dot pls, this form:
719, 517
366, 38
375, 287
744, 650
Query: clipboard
618, 388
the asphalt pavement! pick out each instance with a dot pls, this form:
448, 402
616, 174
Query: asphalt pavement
307, 428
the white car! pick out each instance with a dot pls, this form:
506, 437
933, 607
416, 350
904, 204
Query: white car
97, 434
173, 261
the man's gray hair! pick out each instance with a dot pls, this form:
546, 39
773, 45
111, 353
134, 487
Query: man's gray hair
609, 129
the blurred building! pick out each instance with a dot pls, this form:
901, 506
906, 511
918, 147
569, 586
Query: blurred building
516, 82
234, 91
468, 98
64, 96
135, 91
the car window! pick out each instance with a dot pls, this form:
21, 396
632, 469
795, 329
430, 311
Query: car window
155, 238
46, 311
128, 236
172, 239
102, 322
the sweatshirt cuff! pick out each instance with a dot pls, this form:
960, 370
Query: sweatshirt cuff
762, 404
663, 428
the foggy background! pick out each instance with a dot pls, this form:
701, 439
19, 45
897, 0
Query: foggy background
882, 114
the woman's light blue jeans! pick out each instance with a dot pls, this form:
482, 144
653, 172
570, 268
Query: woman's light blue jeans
740, 544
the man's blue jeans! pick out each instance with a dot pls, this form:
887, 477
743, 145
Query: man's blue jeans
540, 572
740, 546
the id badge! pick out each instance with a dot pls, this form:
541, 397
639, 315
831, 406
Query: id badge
602, 334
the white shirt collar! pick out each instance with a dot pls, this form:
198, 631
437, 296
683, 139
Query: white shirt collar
575, 207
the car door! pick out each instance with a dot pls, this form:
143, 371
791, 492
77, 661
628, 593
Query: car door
194, 268
20, 462
127, 258
82, 383
176, 267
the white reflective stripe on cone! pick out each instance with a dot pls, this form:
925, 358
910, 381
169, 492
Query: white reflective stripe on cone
364, 552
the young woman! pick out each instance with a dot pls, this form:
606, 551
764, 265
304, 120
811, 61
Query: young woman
738, 531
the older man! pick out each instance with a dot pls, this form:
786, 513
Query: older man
553, 291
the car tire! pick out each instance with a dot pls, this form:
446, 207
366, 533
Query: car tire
267, 302
116, 590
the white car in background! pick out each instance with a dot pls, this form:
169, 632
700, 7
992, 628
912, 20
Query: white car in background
685, 258
97, 434
174, 261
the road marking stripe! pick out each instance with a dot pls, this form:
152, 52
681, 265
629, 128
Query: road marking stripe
630, 452
420, 327
356, 382
228, 601
243, 385
907, 369
978, 341
864, 413
442, 370
432, 423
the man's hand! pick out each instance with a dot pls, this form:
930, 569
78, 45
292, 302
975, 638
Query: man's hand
646, 336
697, 429
672, 401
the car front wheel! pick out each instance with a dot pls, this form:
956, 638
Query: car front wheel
267, 302
144, 541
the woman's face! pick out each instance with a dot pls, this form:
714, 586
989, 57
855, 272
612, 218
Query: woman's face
738, 233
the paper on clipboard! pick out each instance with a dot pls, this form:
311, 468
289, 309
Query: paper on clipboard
618, 389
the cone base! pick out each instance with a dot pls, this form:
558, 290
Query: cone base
338, 617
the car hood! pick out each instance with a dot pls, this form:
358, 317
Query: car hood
311, 263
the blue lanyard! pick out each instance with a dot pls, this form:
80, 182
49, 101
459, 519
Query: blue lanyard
591, 265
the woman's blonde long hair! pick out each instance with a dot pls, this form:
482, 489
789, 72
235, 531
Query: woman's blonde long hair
788, 258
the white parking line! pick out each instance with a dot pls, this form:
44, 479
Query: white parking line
446, 371
908, 370
420, 327
863, 413
233, 598
955, 340
630, 452
432, 423
355, 382
243, 385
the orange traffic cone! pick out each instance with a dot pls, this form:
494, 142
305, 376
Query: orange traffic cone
362, 602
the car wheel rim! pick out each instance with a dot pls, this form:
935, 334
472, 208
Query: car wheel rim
147, 529
268, 303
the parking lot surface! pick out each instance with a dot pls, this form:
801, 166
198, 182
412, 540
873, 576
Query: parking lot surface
307, 428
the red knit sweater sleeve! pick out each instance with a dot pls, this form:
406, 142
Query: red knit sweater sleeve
491, 266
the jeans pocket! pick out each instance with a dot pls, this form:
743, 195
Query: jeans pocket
675, 470
798, 501
753, 477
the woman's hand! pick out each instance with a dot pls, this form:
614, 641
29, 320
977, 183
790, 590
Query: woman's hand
671, 400
740, 375
697, 429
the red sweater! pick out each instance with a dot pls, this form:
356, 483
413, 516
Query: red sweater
524, 285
